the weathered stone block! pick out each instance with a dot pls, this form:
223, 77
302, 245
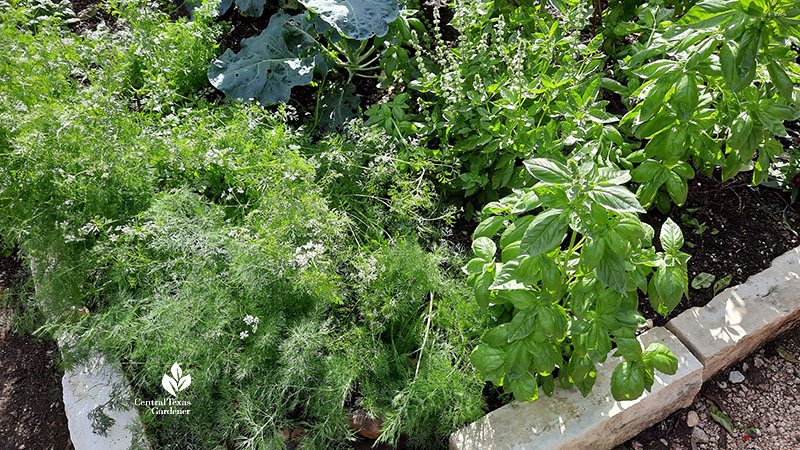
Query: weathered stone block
95, 417
743, 318
567, 420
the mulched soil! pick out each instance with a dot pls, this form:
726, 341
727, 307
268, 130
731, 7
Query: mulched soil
31, 407
741, 229
763, 409
244, 26
92, 14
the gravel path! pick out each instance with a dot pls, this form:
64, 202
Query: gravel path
760, 396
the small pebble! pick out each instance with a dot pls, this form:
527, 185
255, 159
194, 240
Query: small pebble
735, 377
664, 441
745, 366
699, 435
758, 362
692, 419
722, 385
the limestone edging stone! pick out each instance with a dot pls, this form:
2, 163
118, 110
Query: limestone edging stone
567, 420
743, 318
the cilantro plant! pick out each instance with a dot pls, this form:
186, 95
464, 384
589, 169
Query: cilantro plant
573, 255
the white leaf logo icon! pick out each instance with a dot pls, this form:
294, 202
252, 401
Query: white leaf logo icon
177, 382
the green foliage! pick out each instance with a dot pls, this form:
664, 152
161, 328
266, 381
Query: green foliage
336, 106
784, 173
715, 88
565, 285
516, 81
379, 182
697, 88
333, 34
362, 20
159, 62
160, 227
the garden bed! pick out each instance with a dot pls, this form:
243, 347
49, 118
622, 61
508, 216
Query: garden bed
293, 219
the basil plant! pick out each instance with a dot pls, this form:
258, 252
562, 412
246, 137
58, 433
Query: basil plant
562, 282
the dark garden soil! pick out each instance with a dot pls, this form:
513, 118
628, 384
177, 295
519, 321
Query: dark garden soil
730, 228
763, 409
244, 26
91, 14
31, 407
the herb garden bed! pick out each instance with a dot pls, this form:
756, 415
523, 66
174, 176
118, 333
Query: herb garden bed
306, 217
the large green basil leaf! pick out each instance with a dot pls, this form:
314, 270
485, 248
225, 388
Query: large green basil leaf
677, 188
611, 271
647, 171
522, 324
628, 348
591, 252
515, 231
707, 14
488, 227
659, 356
548, 170
552, 322
667, 288
524, 387
582, 373
686, 97
489, 361
267, 68
627, 381
356, 19
598, 342
497, 336
546, 355
730, 73
546, 231
481, 289
484, 248
781, 80
616, 198
671, 236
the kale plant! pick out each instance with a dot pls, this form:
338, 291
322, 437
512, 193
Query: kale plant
332, 34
